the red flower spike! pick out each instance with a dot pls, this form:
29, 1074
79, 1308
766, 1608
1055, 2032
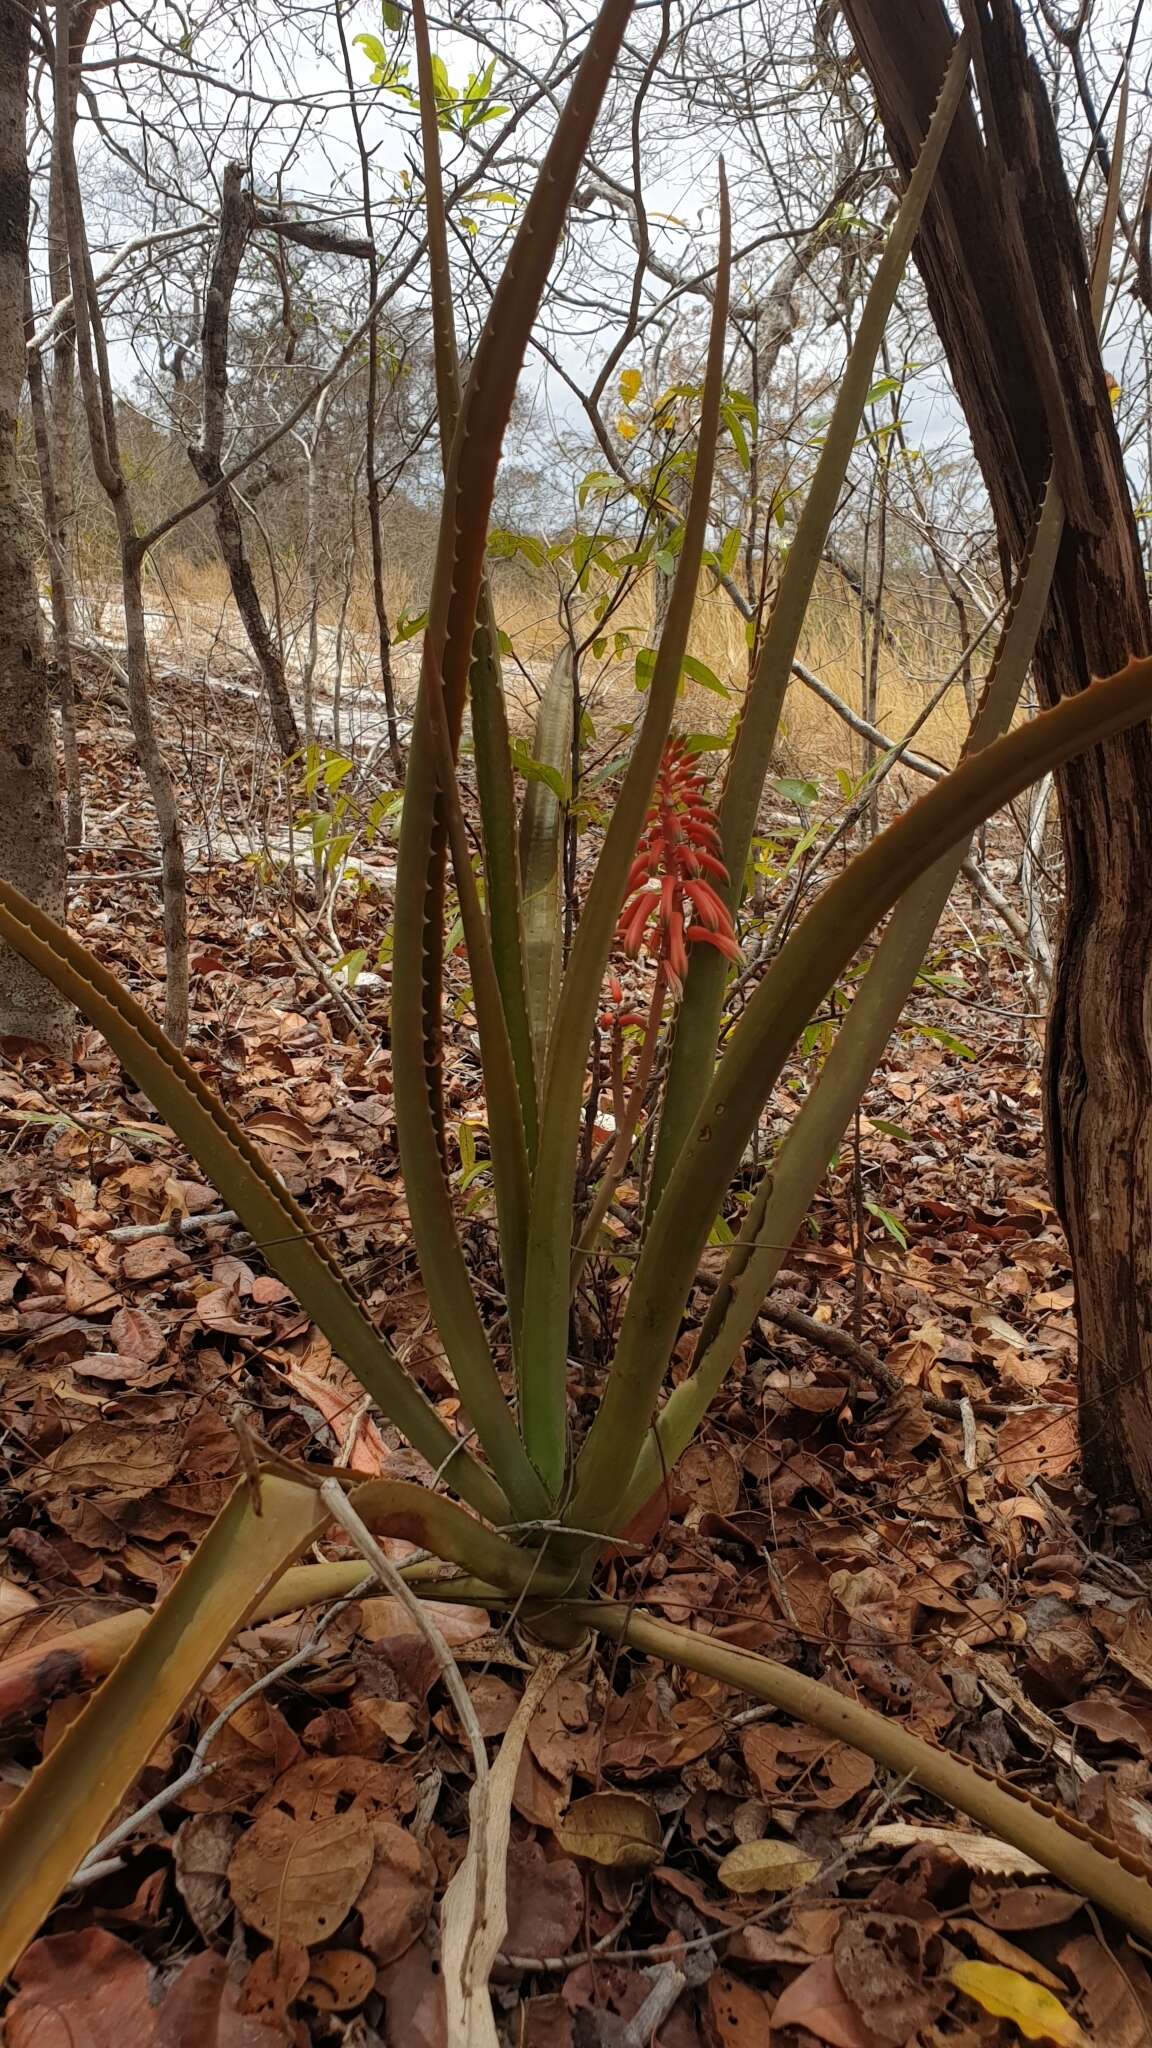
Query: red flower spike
669, 902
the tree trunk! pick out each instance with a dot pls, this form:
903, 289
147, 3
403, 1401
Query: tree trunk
237, 215
1006, 274
55, 451
60, 583
31, 826
97, 391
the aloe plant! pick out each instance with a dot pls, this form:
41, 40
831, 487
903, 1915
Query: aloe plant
541, 1510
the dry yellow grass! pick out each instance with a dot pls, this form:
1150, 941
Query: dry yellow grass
193, 617
813, 736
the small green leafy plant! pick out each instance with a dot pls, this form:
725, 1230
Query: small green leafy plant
537, 1510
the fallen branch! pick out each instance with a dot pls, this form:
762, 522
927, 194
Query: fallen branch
172, 1226
1018, 927
863, 1359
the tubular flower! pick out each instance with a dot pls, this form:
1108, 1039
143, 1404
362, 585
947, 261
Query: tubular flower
615, 1016
670, 900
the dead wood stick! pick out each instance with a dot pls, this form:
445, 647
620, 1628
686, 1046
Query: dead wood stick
868, 1362
174, 1226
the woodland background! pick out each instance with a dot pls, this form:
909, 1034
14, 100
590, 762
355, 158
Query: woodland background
931, 1474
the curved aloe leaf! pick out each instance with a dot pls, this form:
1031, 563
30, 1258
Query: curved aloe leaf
542, 852
698, 1024
418, 932
1061, 1843
801, 974
69, 1800
285, 1235
485, 685
547, 1287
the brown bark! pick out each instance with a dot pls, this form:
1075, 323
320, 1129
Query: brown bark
1006, 274
237, 218
31, 827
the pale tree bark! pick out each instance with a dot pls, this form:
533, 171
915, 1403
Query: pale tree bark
1006, 274
52, 415
60, 584
31, 826
100, 413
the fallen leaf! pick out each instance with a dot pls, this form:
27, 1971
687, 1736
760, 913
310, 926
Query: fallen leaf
538, 1796
545, 1901
1122, 1816
267, 1290
202, 2010
618, 1830
805, 1768
1116, 1989
886, 1976
545, 2023
322, 1785
367, 1728
340, 1408
811, 1933
137, 1335
977, 1852
297, 1880
712, 1476
415, 2012
86, 1987
385, 1619
1009, 1996
1062, 1650
108, 1459
253, 1749
282, 1129
340, 1980
1020, 1907
1133, 1647
736, 2014
1038, 1442
274, 1983
1109, 1721
815, 1999
152, 1258
119, 1369
563, 1737
767, 1866
685, 1886
86, 1292
201, 1852
397, 1899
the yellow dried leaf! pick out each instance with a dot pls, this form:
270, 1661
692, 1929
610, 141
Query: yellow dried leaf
1009, 1996
626, 429
766, 1867
630, 382
617, 1829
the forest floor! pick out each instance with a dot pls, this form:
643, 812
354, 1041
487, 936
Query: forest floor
915, 1535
